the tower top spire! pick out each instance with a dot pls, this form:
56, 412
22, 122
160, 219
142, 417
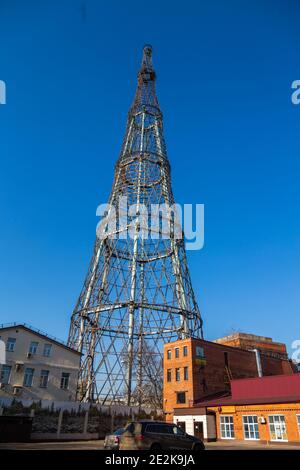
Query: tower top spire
147, 57
146, 73
145, 94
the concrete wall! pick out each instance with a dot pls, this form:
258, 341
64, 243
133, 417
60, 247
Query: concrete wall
5, 401
61, 360
83, 423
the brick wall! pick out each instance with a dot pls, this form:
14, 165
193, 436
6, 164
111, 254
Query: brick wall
171, 388
211, 375
248, 342
289, 411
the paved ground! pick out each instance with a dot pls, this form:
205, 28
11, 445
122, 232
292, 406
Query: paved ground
71, 445
98, 445
248, 446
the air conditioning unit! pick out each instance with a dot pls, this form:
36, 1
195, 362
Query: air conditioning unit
29, 355
262, 420
17, 390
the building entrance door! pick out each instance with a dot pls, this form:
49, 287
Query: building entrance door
198, 430
181, 424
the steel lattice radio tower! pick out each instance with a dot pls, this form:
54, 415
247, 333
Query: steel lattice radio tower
138, 292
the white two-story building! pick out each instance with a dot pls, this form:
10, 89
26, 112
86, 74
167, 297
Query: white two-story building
37, 366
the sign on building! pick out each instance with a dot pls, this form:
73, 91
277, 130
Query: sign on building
200, 359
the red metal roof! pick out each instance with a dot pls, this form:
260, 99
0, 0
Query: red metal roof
268, 386
260, 390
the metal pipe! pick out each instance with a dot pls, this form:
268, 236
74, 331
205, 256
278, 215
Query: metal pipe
258, 362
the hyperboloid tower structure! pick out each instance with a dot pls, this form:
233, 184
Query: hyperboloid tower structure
137, 293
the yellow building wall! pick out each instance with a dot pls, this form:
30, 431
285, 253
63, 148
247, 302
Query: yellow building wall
290, 412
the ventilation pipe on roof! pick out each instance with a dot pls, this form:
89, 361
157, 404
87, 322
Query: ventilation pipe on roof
258, 362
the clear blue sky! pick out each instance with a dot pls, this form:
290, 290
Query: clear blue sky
224, 72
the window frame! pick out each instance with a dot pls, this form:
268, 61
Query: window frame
177, 374
50, 349
26, 375
169, 375
14, 340
42, 376
62, 380
7, 366
33, 349
177, 353
157, 428
226, 427
298, 422
285, 427
169, 354
185, 351
251, 425
180, 402
200, 352
186, 373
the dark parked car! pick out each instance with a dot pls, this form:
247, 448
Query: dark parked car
156, 435
112, 441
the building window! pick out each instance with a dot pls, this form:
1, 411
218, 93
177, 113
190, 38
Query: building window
250, 423
185, 351
5, 374
33, 347
28, 377
180, 398
176, 353
169, 355
10, 344
47, 350
44, 378
186, 373
298, 421
226, 426
169, 375
200, 356
65, 379
277, 428
177, 375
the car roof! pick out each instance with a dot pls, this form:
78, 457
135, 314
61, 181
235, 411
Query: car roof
150, 421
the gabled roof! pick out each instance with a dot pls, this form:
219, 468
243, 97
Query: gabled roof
41, 334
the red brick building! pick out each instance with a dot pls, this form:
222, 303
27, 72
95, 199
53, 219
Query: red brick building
264, 409
195, 369
247, 341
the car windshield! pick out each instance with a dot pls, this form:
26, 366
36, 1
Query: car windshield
118, 432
